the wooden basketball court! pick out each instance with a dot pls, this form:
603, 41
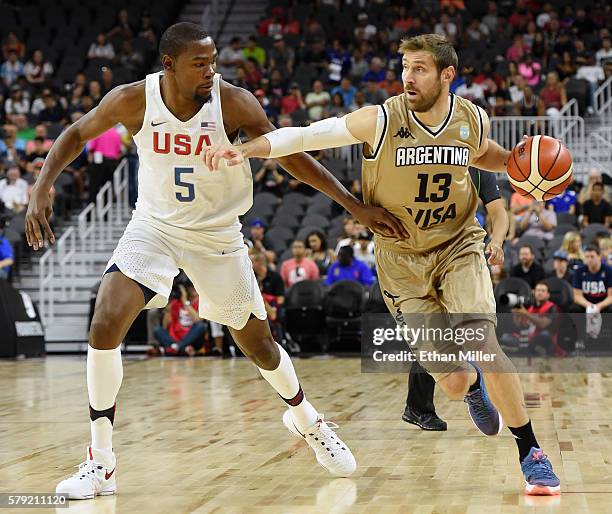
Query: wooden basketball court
206, 436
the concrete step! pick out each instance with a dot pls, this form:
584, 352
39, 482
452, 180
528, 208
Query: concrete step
67, 329
78, 282
63, 309
80, 296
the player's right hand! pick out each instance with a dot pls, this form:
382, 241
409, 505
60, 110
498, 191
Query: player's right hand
37, 219
213, 154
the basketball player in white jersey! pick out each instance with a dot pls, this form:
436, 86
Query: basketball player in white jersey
186, 217
417, 150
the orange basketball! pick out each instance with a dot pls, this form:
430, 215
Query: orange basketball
540, 167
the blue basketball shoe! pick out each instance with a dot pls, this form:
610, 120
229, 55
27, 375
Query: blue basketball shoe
540, 479
480, 408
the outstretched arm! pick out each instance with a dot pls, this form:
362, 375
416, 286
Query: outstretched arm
490, 156
115, 107
246, 113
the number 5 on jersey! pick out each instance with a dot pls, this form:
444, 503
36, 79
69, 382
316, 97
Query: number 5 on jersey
189, 194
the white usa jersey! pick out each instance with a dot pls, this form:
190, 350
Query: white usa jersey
174, 185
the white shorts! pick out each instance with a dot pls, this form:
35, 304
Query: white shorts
216, 261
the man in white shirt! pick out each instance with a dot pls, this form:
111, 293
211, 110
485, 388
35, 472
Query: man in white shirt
594, 75
316, 101
604, 54
230, 58
14, 190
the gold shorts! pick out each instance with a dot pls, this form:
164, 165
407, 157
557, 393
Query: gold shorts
440, 289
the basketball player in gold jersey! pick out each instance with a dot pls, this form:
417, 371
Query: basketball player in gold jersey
417, 150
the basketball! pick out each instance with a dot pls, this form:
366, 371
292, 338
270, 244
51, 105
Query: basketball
540, 167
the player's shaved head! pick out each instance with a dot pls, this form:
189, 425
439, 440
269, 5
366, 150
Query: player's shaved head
178, 36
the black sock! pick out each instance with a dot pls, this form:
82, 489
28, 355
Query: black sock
525, 439
475, 385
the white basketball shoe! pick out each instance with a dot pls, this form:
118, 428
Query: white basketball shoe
95, 477
331, 452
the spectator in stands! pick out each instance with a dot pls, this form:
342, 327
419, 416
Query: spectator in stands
552, 96
539, 322
316, 57
53, 111
12, 150
16, 105
594, 74
271, 282
470, 90
252, 74
349, 268
268, 106
129, 59
14, 190
572, 246
37, 71
527, 268
566, 68
322, 256
230, 58
446, 28
538, 221
360, 101
107, 81
182, 330
101, 48
605, 248
258, 235
597, 209
317, 100
253, 51
373, 93
592, 284
391, 85
291, 25
529, 105
364, 248
364, 29
7, 257
376, 73
95, 92
293, 100
103, 154
147, 31
269, 178
37, 155
564, 203
300, 267
517, 50
476, 33
347, 90
11, 69
281, 56
359, 66
12, 44
530, 70
339, 61
604, 54
337, 107
40, 130
36, 169
560, 267
123, 29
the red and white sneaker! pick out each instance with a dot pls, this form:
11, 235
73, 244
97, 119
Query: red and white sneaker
95, 477
331, 452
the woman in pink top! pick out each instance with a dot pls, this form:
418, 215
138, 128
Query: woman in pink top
516, 51
531, 70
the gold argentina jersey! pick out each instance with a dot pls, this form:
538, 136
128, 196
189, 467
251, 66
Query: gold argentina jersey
421, 176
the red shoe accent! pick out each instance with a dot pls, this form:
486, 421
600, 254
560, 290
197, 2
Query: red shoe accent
90, 454
542, 490
107, 475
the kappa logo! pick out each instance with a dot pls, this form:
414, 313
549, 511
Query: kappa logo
404, 133
464, 132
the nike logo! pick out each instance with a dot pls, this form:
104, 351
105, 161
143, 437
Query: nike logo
153, 124
107, 475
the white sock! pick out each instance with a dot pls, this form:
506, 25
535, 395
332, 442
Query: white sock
284, 380
104, 375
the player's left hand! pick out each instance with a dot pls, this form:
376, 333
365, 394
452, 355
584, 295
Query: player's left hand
380, 221
495, 251
213, 154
